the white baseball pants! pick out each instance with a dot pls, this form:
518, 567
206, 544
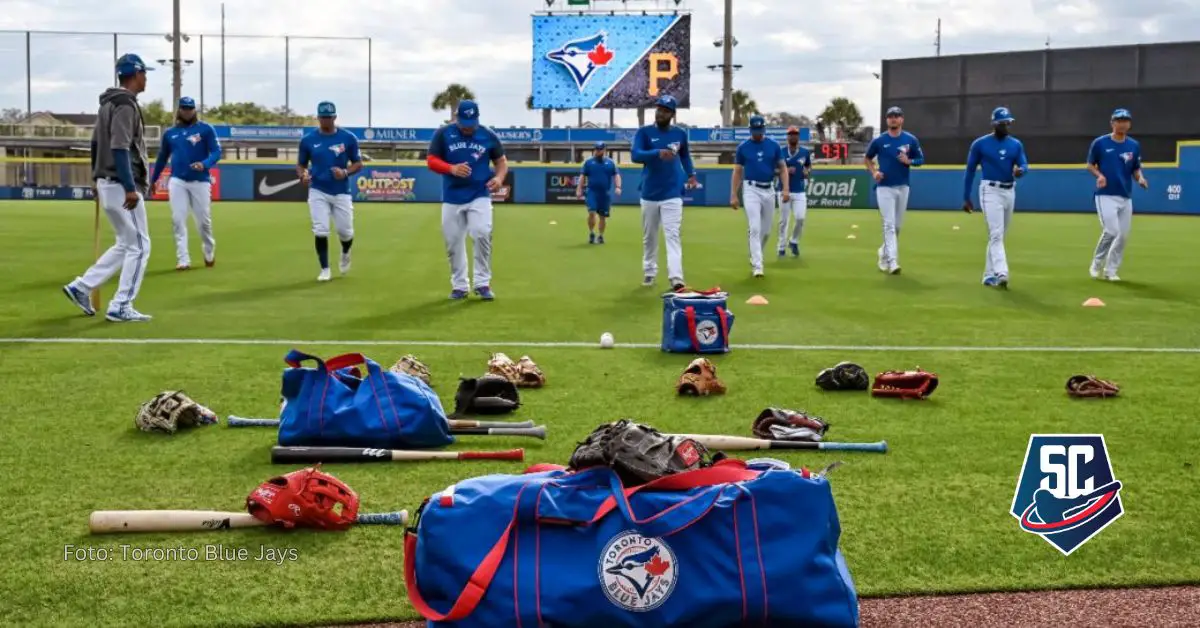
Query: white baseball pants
1116, 218
667, 214
472, 219
797, 209
893, 203
197, 197
322, 207
129, 254
760, 215
997, 207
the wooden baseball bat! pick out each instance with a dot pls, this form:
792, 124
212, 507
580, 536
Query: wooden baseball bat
306, 455
533, 432
95, 296
743, 443
106, 521
455, 424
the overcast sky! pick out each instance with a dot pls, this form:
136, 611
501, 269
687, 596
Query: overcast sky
796, 55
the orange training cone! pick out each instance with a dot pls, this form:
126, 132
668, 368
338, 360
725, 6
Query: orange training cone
1093, 302
757, 299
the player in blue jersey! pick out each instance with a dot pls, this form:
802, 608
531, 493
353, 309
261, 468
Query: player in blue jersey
1116, 162
1003, 159
799, 166
332, 153
463, 152
193, 149
897, 151
662, 149
757, 161
597, 176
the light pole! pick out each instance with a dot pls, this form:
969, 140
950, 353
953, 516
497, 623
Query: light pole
177, 78
727, 69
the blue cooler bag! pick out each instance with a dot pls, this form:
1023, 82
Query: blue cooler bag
331, 406
717, 547
696, 322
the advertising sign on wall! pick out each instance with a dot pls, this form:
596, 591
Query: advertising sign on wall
506, 192
280, 184
839, 190
384, 184
560, 187
159, 190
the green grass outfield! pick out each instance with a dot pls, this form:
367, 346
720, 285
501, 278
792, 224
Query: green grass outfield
932, 515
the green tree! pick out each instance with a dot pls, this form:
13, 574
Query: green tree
154, 113
842, 113
254, 114
742, 107
449, 98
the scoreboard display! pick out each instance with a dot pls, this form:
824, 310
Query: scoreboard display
831, 150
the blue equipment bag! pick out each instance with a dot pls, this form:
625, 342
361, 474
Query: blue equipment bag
332, 405
696, 322
717, 547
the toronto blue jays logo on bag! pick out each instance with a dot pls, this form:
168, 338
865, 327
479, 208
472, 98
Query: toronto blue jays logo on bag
696, 322
1067, 493
638, 573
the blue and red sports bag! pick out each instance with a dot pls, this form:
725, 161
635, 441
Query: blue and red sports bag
717, 547
696, 322
332, 405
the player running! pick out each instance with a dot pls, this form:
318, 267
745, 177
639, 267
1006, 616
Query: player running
756, 164
799, 167
662, 149
463, 151
1003, 159
1116, 161
597, 176
332, 153
193, 149
897, 151
119, 168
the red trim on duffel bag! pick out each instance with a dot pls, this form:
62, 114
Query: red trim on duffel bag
723, 472
689, 313
724, 324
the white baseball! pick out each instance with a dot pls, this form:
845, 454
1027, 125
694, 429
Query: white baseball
606, 341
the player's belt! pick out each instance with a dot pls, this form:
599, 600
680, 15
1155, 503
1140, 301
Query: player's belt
999, 184
760, 184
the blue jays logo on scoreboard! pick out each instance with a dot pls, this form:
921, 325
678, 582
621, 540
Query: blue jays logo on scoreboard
610, 61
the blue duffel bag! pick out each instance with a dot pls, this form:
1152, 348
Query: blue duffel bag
717, 547
332, 405
696, 322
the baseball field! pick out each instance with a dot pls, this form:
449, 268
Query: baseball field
932, 515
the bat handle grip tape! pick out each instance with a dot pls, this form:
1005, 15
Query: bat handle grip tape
511, 454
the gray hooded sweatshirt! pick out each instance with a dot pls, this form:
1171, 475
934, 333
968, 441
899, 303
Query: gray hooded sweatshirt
119, 125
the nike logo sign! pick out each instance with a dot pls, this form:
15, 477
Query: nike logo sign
267, 189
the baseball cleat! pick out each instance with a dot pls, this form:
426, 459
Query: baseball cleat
782, 252
883, 266
325, 275
485, 293
1112, 277
795, 249
209, 263
758, 273
127, 315
1002, 281
894, 269
183, 267
1094, 271
79, 298
990, 280
648, 280
600, 239
458, 295
591, 238
344, 264
677, 285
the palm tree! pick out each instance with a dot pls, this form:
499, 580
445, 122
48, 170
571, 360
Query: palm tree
742, 107
843, 113
450, 97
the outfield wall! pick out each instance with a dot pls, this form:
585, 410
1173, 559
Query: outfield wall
1174, 187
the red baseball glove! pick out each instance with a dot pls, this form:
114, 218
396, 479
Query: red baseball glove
917, 384
308, 498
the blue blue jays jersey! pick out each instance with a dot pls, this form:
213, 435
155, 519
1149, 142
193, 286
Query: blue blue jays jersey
477, 150
997, 156
759, 160
662, 179
796, 163
185, 145
888, 149
600, 173
324, 152
1117, 161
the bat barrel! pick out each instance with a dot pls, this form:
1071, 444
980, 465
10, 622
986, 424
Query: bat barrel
463, 423
532, 432
237, 421
397, 518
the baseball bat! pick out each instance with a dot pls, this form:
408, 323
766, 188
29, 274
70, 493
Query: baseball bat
305, 455
742, 443
95, 296
455, 424
534, 432
105, 521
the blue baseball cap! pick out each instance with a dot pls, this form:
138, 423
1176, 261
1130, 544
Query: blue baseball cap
895, 111
1121, 114
187, 103
326, 109
468, 114
130, 64
1001, 114
600, 145
757, 123
666, 101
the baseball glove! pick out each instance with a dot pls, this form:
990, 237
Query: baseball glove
916, 384
844, 376
170, 410
308, 498
784, 424
410, 365
502, 365
1083, 386
638, 453
529, 375
700, 379
487, 394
